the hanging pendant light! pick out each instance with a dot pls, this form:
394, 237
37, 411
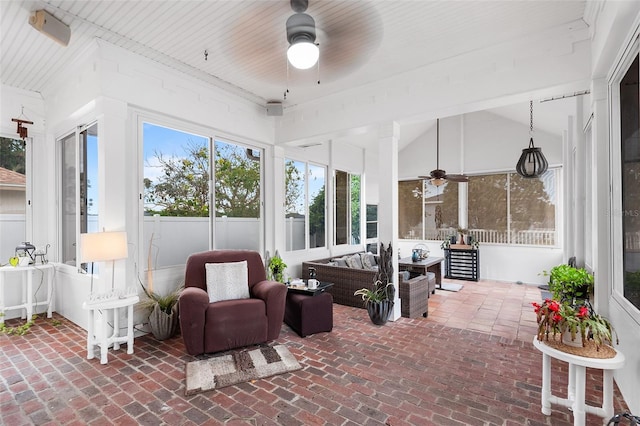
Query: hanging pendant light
532, 162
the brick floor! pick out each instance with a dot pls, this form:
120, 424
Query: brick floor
471, 362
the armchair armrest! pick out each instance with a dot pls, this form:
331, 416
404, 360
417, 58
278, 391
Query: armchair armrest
274, 295
193, 304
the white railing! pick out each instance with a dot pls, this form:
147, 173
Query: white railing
529, 237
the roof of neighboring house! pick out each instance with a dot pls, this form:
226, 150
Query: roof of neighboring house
11, 178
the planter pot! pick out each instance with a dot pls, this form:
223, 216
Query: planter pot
379, 312
163, 325
576, 342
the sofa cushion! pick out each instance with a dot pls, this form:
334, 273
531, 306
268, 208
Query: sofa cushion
368, 261
354, 261
227, 281
340, 261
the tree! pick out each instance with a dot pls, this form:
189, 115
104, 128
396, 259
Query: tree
237, 181
294, 188
12, 155
316, 216
183, 187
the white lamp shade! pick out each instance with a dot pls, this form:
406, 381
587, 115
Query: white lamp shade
102, 246
303, 55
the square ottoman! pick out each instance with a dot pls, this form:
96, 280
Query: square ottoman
307, 314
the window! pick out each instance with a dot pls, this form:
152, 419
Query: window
502, 208
508, 209
347, 208
630, 175
79, 189
427, 212
13, 195
304, 191
176, 195
237, 196
372, 228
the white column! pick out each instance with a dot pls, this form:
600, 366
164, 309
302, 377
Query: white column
388, 136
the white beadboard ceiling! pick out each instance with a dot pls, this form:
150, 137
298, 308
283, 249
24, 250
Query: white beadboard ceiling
360, 41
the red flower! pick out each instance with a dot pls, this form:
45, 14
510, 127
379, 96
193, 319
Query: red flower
554, 306
536, 307
557, 317
583, 312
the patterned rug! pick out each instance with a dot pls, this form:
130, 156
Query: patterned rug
237, 367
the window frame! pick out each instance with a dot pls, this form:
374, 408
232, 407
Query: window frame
615, 165
307, 203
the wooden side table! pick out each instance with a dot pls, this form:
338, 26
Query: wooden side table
27, 302
102, 340
577, 380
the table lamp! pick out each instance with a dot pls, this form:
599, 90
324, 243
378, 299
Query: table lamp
103, 247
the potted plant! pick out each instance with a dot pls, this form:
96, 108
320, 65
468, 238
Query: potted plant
276, 268
163, 312
577, 324
379, 300
569, 284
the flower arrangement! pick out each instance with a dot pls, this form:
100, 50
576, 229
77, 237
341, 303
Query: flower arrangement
554, 317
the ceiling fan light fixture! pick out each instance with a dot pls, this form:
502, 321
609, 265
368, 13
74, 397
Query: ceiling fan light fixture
437, 181
302, 53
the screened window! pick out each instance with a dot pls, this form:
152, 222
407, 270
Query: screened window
237, 196
630, 170
508, 209
176, 195
79, 189
347, 208
426, 211
305, 205
13, 195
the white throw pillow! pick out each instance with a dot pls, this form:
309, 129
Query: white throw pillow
227, 281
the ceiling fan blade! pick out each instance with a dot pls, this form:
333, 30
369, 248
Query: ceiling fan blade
457, 178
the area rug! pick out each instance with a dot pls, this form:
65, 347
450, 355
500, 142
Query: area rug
451, 287
238, 367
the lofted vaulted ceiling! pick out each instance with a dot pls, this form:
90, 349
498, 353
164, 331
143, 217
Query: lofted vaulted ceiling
360, 41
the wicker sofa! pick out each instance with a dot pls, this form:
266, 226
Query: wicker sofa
413, 293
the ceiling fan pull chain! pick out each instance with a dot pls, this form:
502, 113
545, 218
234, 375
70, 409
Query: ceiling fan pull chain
531, 117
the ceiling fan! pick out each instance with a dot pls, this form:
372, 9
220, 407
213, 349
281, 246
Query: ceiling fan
438, 176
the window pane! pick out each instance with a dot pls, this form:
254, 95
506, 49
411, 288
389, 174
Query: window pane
176, 196
295, 182
13, 198
317, 206
89, 180
533, 209
487, 201
355, 182
440, 210
342, 208
410, 224
68, 199
237, 183
630, 156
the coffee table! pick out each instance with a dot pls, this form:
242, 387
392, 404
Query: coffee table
431, 264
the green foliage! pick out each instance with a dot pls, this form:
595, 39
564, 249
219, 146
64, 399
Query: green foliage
316, 213
183, 187
23, 329
166, 302
277, 268
383, 288
376, 294
294, 188
12, 155
568, 283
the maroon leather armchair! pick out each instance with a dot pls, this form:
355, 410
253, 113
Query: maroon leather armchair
219, 326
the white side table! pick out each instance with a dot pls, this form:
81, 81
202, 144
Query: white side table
102, 340
27, 302
577, 381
